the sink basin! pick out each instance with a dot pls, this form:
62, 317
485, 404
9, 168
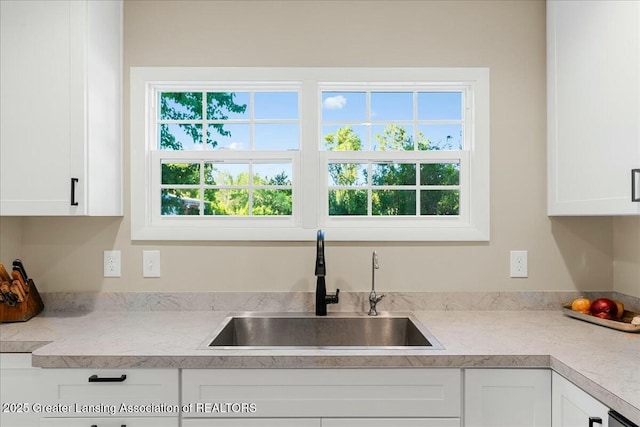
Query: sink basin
302, 330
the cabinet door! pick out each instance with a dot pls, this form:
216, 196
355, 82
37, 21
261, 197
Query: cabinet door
572, 407
252, 422
20, 389
35, 107
110, 422
60, 79
593, 64
391, 422
319, 393
507, 398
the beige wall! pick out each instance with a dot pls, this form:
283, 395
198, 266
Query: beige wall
65, 254
626, 250
10, 239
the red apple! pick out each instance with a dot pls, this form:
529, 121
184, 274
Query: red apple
604, 308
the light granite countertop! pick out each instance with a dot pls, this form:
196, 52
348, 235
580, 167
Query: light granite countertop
601, 361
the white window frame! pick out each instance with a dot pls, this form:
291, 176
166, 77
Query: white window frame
309, 163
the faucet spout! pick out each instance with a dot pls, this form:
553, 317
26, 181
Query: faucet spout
374, 299
322, 299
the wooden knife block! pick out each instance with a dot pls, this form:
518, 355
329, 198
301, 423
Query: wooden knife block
25, 310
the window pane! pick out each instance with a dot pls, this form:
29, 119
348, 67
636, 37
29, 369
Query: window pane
272, 202
391, 106
272, 174
344, 106
393, 174
439, 202
226, 174
226, 202
181, 173
347, 202
347, 174
344, 138
177, 201
392, 137
276, 105
441, 137
393, 202
440, 174
440, 106
277, 136
227, 105
229, 136
180, 106
183, 137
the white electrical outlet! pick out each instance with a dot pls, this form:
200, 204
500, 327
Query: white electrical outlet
519, 264
111, 263
151, 263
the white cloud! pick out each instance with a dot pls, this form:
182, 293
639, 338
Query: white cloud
335, 102
234, 146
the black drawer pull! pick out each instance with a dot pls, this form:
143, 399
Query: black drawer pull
594, 420
94, 425
74, 181
635, 177
97, 379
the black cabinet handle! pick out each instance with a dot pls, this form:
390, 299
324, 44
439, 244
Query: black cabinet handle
97, 379
594, 420
94, 425
74, 181
635, 180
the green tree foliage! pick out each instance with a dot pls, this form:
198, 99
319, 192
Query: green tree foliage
391, 202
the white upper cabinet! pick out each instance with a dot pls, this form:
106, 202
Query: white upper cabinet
593, 80
61, 95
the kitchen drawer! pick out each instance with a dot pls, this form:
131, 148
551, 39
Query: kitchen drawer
111, 422
413, 392
253, 422
110, 392
391, 422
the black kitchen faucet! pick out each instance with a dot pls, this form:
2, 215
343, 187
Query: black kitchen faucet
322, 299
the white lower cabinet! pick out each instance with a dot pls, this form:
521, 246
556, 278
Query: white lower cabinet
111, 422
572, 407
507, 398
19, 390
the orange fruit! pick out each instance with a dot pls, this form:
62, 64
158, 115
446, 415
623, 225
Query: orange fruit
581, 305
620, 309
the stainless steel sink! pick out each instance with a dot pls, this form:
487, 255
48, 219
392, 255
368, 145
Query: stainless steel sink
339, 330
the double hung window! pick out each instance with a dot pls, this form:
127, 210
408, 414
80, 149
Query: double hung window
275, 154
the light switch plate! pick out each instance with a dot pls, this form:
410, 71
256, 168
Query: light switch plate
112, 264
519, 263
150, 263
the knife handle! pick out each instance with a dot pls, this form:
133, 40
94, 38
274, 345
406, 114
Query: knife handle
7, 295
15, 274
97, 379
4, 274
16, 289
18, 265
